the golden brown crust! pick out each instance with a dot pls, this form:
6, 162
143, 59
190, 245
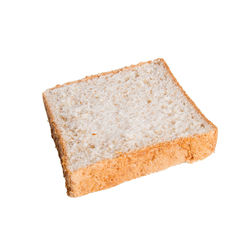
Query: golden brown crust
60, 145
127, 166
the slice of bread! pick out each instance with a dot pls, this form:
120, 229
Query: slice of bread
120, 125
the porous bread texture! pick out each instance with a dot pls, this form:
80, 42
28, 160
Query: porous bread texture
121, 112
105, 120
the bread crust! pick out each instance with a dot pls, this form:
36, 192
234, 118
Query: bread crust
127, 166
60, 145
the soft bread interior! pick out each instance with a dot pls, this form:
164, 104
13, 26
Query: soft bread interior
114, 113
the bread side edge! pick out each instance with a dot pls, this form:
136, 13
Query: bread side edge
59, 143
128, 166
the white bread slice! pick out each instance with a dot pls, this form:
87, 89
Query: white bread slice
120, 125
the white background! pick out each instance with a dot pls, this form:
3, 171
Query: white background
205, 205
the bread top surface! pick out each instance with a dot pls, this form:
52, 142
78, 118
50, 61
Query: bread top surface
122, 111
